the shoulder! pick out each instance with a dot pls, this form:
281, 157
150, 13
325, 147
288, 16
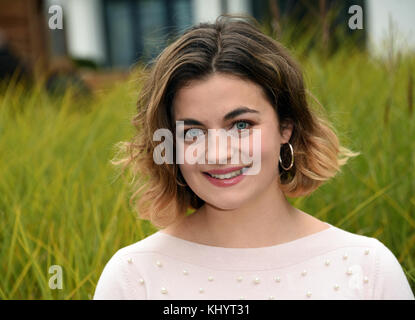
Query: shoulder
367, 248
375, 261
391, 282
340, 238
334, 240
124, 275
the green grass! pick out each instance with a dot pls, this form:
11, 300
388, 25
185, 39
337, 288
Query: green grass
62, 202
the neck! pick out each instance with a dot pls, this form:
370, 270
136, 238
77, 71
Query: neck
267, 220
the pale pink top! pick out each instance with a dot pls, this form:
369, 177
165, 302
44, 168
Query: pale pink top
329, 264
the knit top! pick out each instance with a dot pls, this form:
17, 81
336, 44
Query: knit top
329, 264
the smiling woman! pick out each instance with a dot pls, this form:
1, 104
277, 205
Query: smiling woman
243, 239
206, 74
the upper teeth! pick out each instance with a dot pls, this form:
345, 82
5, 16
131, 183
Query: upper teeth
229, 175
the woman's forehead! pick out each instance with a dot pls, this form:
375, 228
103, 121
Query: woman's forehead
217, 95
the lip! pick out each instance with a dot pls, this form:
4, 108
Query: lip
225, 182
225, 171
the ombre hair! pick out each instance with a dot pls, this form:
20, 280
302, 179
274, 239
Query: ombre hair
234, 47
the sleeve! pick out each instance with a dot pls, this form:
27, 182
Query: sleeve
120, 281
391, 282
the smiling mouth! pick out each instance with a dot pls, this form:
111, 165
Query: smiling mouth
229, 175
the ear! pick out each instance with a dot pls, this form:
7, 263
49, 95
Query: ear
287, 128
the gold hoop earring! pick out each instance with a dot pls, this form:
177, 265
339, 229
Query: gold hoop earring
292, 158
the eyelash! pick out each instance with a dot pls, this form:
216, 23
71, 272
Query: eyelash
233, 123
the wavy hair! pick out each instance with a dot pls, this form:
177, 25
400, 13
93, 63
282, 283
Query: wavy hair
236, 47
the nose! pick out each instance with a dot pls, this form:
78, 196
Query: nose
221, 147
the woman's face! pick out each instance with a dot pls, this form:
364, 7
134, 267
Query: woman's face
208, 101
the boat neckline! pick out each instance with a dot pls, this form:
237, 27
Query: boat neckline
263, 248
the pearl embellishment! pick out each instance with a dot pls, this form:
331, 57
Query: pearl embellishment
141, 281
256, 280
130, 260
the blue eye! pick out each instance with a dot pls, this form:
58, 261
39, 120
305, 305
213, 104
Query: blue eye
245, 124
241, 127
192, 132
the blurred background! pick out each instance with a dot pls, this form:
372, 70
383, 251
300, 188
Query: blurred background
116, 34
68, 94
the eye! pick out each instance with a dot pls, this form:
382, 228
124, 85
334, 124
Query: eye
192, 132
242, 124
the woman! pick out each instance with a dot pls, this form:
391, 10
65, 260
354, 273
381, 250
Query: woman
244, 240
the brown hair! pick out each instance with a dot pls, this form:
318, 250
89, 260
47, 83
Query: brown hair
236, 47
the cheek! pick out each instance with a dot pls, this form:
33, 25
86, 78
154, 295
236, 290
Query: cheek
269, 159
268, 148
186, 169
189, 171
269, 144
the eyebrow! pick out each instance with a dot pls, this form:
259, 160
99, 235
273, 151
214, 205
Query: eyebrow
230, 115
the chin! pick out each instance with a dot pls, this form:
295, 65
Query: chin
224, 206
226, 200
